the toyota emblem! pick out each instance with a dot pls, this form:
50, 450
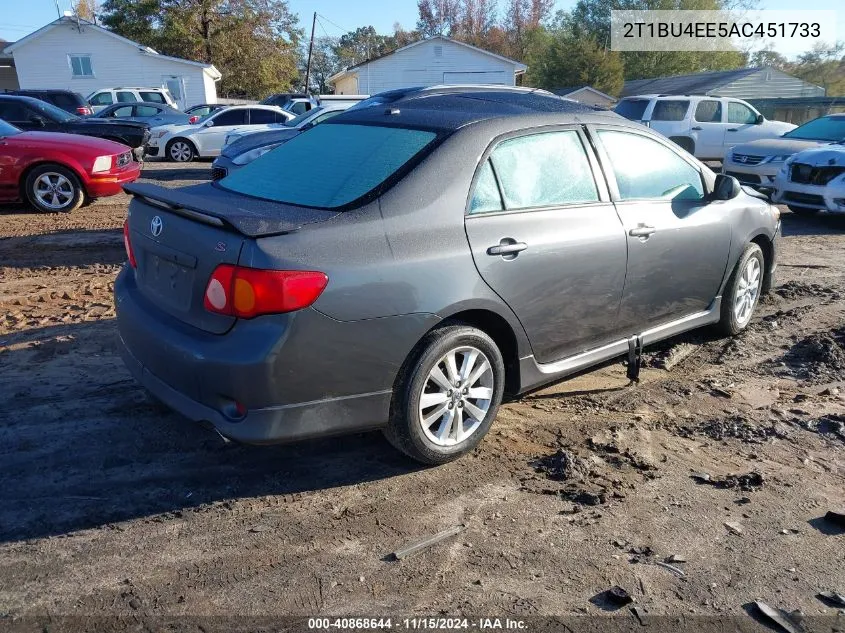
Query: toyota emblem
155, 226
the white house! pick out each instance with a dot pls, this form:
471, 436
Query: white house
429, 62
77, 55
587, 95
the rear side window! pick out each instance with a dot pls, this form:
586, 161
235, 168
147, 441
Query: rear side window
122, 111
256, 116
645, 169
543, 170
632, 109
103, 98
125, 97
709, 111
152, 97
145, 110
486, 197
670, 110
302, 172
231, 117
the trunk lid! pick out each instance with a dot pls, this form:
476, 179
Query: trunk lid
179, 236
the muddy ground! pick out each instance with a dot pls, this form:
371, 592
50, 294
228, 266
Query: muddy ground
110, 504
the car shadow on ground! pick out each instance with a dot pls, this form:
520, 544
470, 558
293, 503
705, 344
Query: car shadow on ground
819, 224
73, 247
83, 446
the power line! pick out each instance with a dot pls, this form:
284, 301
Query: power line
333, 24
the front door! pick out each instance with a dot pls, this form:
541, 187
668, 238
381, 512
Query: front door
678, 242
742, 125
547, 240
210, 138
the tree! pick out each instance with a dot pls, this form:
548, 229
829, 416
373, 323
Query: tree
767, 57
85, 10
324, 64
823, 66
136, 20
438, 17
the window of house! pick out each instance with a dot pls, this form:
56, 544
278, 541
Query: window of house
543, 170
670, 110
709, 111
646, 169
80, 65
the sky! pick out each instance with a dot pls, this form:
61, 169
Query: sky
20, 17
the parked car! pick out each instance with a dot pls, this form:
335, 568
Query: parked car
387, 281
300, 106
67, 100
182, 143
33, 114
707, 127
99, 99
757, 163
151, 113
57, 172
281, 99
202, 110
813, 180
245, 145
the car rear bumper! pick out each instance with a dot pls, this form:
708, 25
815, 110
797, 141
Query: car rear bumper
102, 185
297, 375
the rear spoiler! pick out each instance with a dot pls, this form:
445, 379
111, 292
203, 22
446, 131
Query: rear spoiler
215, 206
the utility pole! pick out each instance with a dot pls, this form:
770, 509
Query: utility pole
310, 52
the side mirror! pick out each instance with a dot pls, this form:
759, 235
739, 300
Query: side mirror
759, 120
37, 120
209, 124
726, 187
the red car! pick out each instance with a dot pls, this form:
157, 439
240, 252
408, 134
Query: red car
57, 172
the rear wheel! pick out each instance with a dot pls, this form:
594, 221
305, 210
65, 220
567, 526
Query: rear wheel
447, 395
180, 150
742, 291
53, 188
802, 210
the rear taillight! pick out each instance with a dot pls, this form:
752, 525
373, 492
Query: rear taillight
128, 244
249, 292
83, 110
193, 119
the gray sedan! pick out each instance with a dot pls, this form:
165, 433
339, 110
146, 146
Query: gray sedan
151, 113
422, 258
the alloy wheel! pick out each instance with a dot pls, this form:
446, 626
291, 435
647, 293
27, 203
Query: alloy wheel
456, 396
54, 190
747, 290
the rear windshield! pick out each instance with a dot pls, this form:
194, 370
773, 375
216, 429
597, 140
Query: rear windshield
632, 109
823, 129
329, 166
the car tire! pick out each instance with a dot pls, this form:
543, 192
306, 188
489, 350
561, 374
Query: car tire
53, 188
802, 210
428, 385
742, 291
180, 150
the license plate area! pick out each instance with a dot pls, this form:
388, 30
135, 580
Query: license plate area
169, 282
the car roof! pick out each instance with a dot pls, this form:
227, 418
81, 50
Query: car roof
445, 111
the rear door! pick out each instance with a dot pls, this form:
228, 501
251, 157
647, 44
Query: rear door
678, 242
708, 130
670, 117
209, 140
546, 239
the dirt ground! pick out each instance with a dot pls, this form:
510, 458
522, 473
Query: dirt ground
110, 504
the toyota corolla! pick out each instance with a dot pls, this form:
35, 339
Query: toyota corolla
461, 245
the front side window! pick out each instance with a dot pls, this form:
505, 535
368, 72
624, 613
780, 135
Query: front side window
740, 113
230, 117
80, 65
675, 110
152, 97
544, 170
709, 111
302, 172
646, 169
101, 99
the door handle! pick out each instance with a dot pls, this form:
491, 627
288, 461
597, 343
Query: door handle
697, 128
732, 129
642, 231
507, 248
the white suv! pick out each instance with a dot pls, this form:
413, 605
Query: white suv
100, 99
706, 127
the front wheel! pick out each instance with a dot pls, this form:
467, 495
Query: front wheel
742, 291
180, 151
447, 395
802, 210
54, 188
